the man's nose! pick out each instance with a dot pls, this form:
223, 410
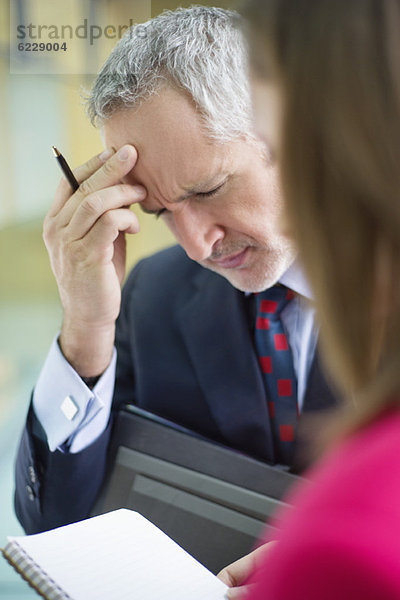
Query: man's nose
197, 232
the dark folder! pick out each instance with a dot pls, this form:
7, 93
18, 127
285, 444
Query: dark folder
212, 500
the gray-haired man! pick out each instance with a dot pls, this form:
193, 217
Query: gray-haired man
174, 102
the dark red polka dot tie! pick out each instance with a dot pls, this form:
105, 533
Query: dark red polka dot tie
276, 363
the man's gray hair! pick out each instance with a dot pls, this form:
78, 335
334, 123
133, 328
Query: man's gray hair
199, 51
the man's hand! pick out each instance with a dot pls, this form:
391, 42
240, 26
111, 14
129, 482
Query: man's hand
236, 574
84, 236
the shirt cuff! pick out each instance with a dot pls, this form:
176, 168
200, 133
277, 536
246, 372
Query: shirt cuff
66, 408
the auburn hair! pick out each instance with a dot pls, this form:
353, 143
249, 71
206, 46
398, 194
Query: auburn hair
337, 66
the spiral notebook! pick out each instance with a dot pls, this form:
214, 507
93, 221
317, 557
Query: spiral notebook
119, 555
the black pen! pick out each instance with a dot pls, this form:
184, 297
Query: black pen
65, 169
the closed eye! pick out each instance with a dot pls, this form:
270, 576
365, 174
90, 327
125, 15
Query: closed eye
211, 192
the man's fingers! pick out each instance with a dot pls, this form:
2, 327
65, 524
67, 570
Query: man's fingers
92, 165
98, 173
95, 205
99, 240
110, 173
64, 190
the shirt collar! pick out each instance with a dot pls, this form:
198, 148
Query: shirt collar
295, 279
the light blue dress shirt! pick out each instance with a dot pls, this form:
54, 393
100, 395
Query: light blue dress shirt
69, 411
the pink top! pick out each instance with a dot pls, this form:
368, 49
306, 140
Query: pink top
342, 539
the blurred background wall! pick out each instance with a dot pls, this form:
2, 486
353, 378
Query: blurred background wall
37, 110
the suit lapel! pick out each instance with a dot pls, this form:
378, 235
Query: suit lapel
215, 330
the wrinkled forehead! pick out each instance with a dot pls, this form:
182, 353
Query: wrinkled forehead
174, 150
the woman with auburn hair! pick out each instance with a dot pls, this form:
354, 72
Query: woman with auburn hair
326, 81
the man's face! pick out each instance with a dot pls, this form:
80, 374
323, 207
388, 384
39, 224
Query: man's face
221, 201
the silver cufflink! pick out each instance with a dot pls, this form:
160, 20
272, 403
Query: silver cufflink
69, 407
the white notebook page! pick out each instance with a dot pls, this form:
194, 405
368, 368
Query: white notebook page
118, 556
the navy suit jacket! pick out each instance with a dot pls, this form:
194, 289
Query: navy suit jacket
186, 352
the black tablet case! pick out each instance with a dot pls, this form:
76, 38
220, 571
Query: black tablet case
212, 500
